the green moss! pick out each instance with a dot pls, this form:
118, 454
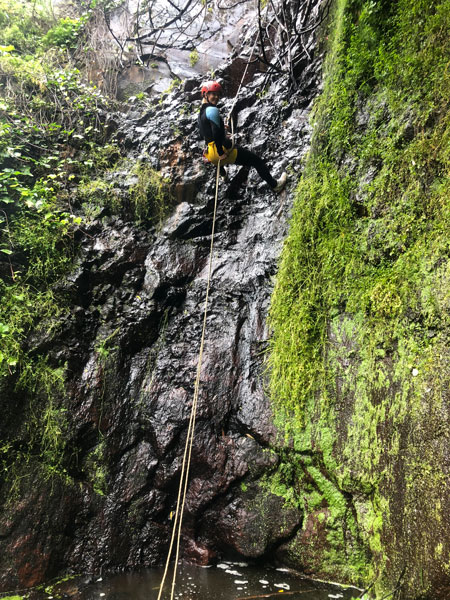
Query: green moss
150, 195
193, 57
28, 301
96, 468
360, 311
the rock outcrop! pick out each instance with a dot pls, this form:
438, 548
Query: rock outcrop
129, 347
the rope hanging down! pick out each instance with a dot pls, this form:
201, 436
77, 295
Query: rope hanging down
176, 531
230, 114
182, 490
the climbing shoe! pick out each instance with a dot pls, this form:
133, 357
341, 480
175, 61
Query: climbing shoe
280, 183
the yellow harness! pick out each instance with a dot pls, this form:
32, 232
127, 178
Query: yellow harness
213, 156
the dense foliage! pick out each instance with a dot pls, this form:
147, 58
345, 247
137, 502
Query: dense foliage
50, 118
50, 122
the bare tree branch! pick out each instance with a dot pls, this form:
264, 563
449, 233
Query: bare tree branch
284, 29
295, 23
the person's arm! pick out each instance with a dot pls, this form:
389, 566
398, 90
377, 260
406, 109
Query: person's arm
217, 128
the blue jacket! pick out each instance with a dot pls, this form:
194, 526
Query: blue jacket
212, 128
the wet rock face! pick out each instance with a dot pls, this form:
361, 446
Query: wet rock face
131, 343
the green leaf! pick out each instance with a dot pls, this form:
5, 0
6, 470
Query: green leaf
4, 329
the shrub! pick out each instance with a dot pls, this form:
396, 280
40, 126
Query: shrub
64, 34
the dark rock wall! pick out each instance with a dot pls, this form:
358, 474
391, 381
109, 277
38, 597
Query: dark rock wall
130, 345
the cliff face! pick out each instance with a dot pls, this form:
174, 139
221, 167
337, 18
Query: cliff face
127, 347
360, 360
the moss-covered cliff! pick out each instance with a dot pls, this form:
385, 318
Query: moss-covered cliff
360, 365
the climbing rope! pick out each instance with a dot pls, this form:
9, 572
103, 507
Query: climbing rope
182, 490
229, 117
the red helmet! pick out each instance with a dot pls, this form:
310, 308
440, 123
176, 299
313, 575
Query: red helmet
211, 86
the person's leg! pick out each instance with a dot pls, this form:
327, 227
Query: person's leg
223, 173
247, 158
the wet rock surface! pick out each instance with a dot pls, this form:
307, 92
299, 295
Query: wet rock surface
130, 345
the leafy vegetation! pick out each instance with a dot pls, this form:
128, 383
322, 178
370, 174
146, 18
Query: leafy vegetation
50, 120
150, 195
22, 25
194, 57
64, 34
56, 159
360, 308
42, 145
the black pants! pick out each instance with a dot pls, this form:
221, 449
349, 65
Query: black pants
246, 158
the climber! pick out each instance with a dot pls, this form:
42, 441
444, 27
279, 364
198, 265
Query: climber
212, 130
